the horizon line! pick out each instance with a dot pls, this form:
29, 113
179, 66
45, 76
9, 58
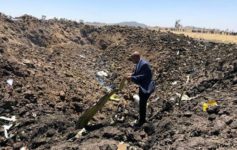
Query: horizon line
116, 23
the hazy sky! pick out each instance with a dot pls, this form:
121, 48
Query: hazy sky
220, 14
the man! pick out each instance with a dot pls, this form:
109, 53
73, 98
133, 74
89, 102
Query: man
142, 76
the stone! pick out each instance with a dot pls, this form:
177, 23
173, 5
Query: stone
188, 114
227, 119
60, 106
224, 112
213, 110
7, 105
235, 101
78, 107
17, 145
212, 117
196, 133
62, 95
30, 96
149, 128
1, 50
215, 132
103, 44
76, 99
108, 147
113, 133
50, 132
233, 125
38, 142
167, 106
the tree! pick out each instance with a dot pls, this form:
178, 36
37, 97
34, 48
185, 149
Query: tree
43, 17
177, 24
81, 21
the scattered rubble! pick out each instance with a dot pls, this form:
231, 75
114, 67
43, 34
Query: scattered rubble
54, 63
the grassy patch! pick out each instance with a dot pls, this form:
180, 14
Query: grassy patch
212, 37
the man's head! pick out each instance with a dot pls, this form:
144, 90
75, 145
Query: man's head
135, 57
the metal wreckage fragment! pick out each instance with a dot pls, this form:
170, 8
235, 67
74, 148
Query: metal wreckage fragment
89, 113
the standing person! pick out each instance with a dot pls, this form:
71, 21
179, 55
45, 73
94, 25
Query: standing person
142, 76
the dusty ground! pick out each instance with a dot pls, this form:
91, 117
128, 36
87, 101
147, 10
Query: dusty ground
212, 37
54, 63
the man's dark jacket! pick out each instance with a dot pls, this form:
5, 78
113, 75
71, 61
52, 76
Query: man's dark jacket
142, 76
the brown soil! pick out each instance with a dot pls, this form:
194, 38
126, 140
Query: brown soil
54, 63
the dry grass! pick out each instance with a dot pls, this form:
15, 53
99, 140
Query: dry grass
211, 37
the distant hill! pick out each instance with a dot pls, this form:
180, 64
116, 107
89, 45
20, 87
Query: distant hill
132, 24
127, 23
96, 24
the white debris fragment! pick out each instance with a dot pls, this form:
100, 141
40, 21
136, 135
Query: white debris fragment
13, 118
187, 79
172, 99
34, 114
184, 97
10, 82
80, 133
119, 118
177, 52
108, 89
26, 61
82, 56
23, 148
136, 98
156, 99
6, 127
174, 83
102, 74
134, 122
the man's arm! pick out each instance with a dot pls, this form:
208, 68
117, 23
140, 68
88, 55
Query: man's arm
141, 75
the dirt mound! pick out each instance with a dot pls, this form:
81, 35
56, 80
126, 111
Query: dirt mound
54, 65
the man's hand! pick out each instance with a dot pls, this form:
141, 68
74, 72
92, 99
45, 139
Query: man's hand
128, 77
